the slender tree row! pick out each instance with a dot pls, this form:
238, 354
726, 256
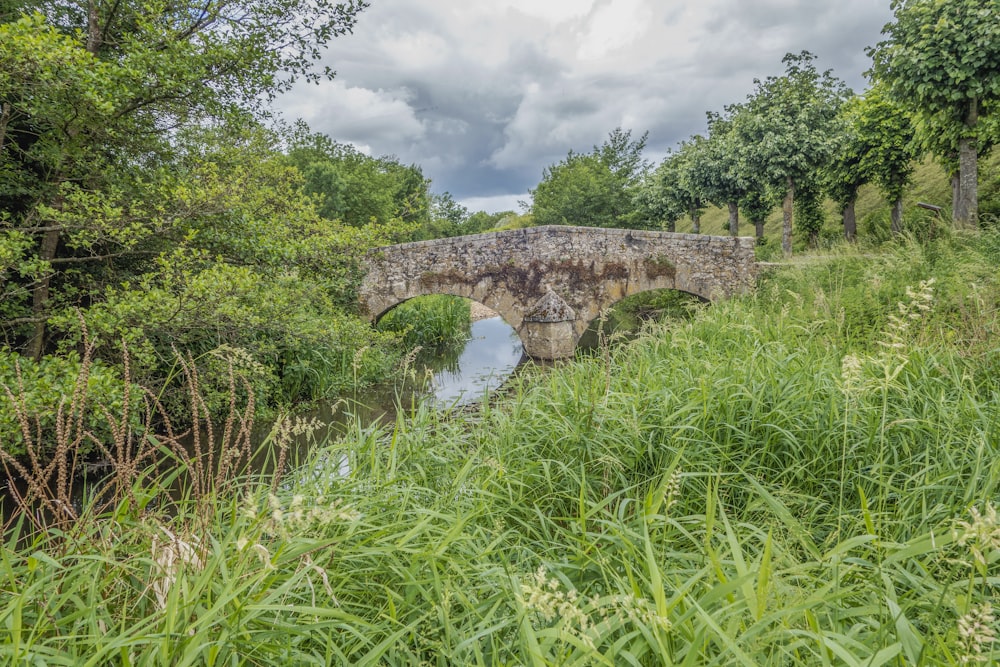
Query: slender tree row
803, 136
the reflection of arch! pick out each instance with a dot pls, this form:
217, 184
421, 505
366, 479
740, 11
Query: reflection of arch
378, 318
392, 306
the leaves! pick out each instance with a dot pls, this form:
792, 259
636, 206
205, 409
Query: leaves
594, 189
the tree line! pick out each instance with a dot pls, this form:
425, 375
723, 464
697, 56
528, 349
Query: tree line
803, 136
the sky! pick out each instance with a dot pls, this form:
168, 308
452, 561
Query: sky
484, 94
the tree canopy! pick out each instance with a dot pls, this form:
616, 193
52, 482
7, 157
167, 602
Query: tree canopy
941, 60
785, 128
594, 189
97, 101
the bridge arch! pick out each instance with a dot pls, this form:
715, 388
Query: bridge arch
625, 312
549, 283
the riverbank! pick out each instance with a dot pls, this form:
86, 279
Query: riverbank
478, 311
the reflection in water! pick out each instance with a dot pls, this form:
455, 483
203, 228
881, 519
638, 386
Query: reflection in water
454, 376
490, 356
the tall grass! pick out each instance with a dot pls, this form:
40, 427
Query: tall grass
805, 476
429, 321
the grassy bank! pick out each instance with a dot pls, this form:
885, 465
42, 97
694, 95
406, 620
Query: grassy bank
805, 476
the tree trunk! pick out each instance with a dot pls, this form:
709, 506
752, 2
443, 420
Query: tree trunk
671, 226
896, 217
40, 295
850, 221
93, 28
955, 189
966, 212
4, 121
759, 228
734, 218
695, 221
786, 217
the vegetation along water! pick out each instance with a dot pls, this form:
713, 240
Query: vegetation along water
804, 475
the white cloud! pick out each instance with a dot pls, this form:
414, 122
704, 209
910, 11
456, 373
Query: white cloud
553, 11
421, 50
613, 26
496, 203
355, 114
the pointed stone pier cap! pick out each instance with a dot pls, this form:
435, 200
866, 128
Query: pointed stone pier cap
550, 308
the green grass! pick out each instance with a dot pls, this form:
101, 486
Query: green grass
429, 321
784, 479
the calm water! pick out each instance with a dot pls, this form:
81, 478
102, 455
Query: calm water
491, 354
453, 376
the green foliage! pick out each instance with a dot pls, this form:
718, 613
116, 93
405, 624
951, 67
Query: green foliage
293, 341
941, 61
889, 153
481, 221
357, 189
786, 129
593, 189
809, 212
35, 395
803, 476
103, 108
940, 57
674, 188
429, 321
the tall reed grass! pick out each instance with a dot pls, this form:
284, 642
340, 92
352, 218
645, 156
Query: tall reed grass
429, 321
808, 476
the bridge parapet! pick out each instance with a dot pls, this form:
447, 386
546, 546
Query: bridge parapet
550, 282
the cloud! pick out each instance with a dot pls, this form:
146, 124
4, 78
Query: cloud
613, 26
358, 115
485, 95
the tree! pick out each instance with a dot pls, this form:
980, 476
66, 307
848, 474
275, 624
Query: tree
843, 175
655, 206
93, 98
678, 178
889, 149
716, 170
809, 213
594, 189
355, 188
941, 60
875, 144
756, 205
784, 128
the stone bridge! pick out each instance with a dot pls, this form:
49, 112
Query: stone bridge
549, 283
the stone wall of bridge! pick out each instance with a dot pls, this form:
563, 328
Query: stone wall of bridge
550, 282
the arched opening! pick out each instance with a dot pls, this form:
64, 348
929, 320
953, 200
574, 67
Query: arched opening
462, 348
627, 316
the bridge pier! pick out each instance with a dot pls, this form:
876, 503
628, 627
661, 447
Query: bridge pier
548, 340
548, 330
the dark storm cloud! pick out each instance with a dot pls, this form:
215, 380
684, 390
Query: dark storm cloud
484, 95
